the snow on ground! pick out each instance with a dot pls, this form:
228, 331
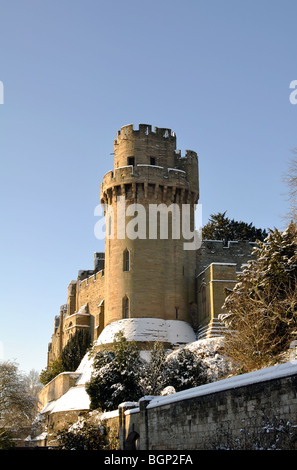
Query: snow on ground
85, 369
76, 398
268, 373
212, 354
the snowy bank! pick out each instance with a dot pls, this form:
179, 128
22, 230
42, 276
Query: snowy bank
76, 398
263, 375
211, 353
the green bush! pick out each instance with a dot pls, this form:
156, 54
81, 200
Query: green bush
6, 441
85, 437
51, 371
116, 376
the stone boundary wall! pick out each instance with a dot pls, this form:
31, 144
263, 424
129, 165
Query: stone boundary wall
216, 415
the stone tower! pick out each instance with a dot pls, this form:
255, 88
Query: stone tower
149, 275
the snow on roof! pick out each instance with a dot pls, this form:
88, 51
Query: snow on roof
132, 410
149, 329
48, 407
75, 399
176, 169
109, 414
40, 437
85, 369
269, 373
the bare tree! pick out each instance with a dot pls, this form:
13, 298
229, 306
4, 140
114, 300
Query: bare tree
17, 405
33, 383
291, 180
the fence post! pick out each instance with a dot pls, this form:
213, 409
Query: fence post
143, 424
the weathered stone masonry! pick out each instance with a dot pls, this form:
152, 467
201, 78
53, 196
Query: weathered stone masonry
150, 278
210, 416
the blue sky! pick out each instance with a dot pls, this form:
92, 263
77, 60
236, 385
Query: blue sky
75, 71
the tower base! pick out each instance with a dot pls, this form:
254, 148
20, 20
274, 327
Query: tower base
146, 330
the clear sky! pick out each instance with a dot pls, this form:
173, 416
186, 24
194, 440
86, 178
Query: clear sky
74, 72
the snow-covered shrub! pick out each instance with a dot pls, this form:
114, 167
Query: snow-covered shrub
185, 370
116, 375
83, 436
261, 318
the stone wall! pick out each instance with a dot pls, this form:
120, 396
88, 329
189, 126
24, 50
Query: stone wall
217, 269
159, 280
57, 387
214, 251
211, 286
231, 413
91, 292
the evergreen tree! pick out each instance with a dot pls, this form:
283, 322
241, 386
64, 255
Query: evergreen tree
116, 376
6, 440
75, 350
51, 371
262, 308
86, 436
220, 227
154, 378
184, 370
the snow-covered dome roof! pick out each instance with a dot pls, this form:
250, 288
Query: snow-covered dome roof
175, 332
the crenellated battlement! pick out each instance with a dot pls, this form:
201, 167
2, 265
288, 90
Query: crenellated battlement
159, 139
145, 130
216, 251
143, 158
144, 172
147, 182
158, 148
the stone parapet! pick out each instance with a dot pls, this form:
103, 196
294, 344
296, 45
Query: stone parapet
57, 387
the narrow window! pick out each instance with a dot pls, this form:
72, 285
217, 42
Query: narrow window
101, 307
126, 260
203, 301
125, 307
176, 313
153, 161
109, 226
131, 161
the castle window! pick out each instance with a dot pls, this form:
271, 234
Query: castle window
126, 307
203, 301
126, 266
110, 226
176, 313
153, 160
131, 161
101, 307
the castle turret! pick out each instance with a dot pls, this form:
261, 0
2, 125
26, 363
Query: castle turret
148, 199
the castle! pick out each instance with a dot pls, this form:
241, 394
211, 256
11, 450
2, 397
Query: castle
149, 283
155, 283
